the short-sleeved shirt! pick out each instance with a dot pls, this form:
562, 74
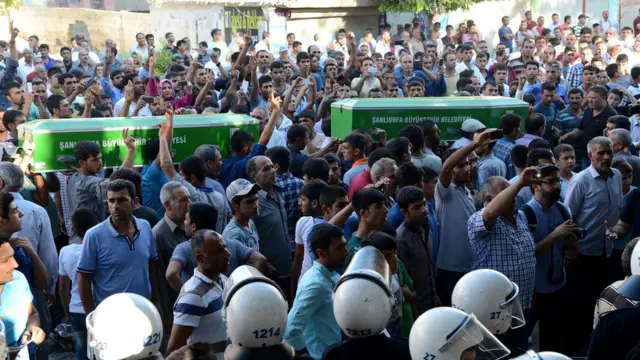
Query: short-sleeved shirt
272, 231
303, 228
432, 161
454, 206
507, 248
183, 254
118, 263
247, 236
199, 306
567, 121
153, 179
86, 192
508, 43
593, 126
14, 305
68, 266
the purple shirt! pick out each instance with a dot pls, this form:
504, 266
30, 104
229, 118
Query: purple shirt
526, 139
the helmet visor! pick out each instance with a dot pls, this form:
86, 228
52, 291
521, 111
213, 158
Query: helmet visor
474, 341
369, 263
517, 314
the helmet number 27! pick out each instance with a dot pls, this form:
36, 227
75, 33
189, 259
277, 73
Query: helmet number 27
428, 356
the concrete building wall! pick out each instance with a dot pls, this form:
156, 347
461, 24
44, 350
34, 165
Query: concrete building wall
55, 26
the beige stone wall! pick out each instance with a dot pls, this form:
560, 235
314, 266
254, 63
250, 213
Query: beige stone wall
55, 26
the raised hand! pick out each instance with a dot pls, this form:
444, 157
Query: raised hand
128, 140
128, 92
274, 101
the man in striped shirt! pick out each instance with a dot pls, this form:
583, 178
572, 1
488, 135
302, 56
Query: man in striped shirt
197, 314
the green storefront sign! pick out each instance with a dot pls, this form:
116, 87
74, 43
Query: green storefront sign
394, 114
54, 140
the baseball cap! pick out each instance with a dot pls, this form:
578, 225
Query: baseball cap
283, 49
241, 187
472, 126
582, 16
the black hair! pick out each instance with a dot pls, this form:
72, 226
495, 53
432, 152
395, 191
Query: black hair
276, 65
429, 174
321, 236
11, 85
600, 90
203, 216
331, 193
620, 121
534, 122
366, 197
295, 132
558, 150
5, 202
356, 140
509, 122
635, 72
331, 158
415, 134
131, 175
381, 241
122, 184
462, 82
623, 166
316, 168
548, 86
53, 102
82, 220
398, 147
611, 69
519, 156
240, 139
302, 56
10, 117
325, 126
378, 154
536, 154
194, 165
409, 175
409, 195
539, 143
281, 156
313, 189
309, 114
264, 79
83, 149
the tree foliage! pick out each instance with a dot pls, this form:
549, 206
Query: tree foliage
428, 6
6, 5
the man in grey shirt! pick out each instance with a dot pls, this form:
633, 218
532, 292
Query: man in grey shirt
621, 139
594, 197
84, 188
454, 206
272, 220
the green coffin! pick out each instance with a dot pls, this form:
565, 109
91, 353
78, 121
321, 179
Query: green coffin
394, 114
55, 139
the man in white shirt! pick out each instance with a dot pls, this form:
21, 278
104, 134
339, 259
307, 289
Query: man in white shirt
465, 64
218, 42
141, 48
131, 96
265, 44
27, 64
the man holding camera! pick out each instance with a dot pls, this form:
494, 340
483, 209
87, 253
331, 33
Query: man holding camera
555, 236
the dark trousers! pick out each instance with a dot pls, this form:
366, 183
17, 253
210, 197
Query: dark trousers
517, 340
285, 285
79, 335
550, 312
615, 266
587, 276
445, 282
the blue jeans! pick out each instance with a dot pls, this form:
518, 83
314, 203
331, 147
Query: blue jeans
79, 335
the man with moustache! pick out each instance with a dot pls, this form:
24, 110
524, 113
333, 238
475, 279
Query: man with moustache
112, 83
552, 227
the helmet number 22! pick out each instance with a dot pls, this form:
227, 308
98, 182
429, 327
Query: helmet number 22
152, 340
262, 333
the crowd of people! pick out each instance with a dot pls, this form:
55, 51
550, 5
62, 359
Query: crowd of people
552, 210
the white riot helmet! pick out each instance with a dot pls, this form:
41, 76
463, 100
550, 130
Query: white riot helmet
445, 333
362, 299
255, 309
4, 348
630, 288
491, 297
124, 326
545, 355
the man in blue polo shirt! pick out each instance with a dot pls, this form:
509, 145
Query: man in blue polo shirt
118, 255
551, 225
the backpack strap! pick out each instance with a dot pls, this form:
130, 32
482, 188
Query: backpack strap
531, 217
563, 212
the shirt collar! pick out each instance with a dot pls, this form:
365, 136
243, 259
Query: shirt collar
322, 269
17, 196
114, 233
172, 225
595, 174
202, 277
360, 162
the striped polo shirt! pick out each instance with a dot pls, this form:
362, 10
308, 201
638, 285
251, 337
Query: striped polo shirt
199, 306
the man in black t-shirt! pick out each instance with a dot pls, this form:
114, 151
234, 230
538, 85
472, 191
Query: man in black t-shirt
617, 336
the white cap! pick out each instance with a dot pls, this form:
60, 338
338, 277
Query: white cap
472, 126
241, 187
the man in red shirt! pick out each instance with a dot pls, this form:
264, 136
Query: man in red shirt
530, 23
364, 178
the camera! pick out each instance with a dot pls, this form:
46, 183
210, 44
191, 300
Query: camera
579, 232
